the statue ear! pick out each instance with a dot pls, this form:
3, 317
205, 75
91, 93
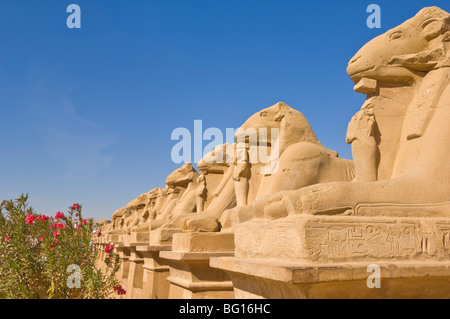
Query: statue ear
432, 28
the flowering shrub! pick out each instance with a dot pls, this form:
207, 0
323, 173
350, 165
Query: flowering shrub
109, 248
36, 251
120, 290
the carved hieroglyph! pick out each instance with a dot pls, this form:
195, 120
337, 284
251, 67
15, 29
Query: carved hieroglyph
306, 238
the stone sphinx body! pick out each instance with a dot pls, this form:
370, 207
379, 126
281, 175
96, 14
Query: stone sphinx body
315, 227
187, 179
302, 161
119, 221
136, 213
197, 192
102, 226
400, 138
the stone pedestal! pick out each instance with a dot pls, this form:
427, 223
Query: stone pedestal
124, 255
268, 279
135, 274
328, 257
135, 238
100, 248
155, 272
114, 238
191, 277
162, 236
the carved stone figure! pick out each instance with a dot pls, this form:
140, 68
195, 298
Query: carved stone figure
307, 224
302, 160
407, 116
201, 192
241, 174
185, 178
120, 220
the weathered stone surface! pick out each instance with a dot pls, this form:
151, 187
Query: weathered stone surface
308, 224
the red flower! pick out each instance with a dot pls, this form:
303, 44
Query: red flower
30, 218
109, 248
84, 221
59, 215
56, 233
42, 218
41, 239
57, 225
7, 238
120, 290
75, 206
78, 226
99, 234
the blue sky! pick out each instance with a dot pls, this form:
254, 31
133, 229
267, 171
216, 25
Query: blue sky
87, 114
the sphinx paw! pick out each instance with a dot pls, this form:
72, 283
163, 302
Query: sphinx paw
201, 224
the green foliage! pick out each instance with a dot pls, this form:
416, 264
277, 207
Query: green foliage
36, 251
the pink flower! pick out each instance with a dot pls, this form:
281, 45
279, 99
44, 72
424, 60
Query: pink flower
59, 215
30, 218
56, 233
56, 240
84, 221
119, 290
42, 218
75, 206
78, 226
76, 214
41, 239
7, 238
109, 248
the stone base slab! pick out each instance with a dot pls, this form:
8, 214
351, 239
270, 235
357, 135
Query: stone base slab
203, 242
253, 278
135, 238
191, 277
305, 238
155, 272
163, 236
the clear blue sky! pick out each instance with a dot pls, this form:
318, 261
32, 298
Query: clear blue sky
87, 115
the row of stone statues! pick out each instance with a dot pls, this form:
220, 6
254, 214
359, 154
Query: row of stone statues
391, 203
197, 202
